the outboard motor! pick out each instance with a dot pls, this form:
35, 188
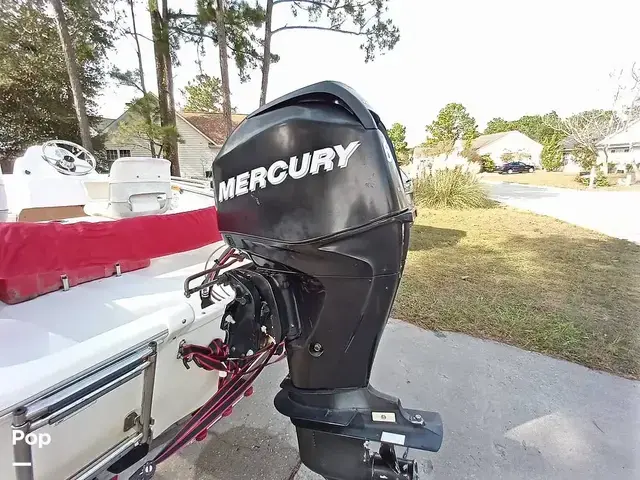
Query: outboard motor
309, 188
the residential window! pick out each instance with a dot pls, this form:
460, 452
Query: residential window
619, 150
112, 155
208, 174
125, 153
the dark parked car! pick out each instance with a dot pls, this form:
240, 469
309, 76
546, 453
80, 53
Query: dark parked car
517, 167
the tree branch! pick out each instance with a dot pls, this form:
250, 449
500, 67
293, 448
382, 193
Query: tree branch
315, 27
324, 5
194, 34
139, 88
214, 39
367, 22
129, 32
182, 15
250, 54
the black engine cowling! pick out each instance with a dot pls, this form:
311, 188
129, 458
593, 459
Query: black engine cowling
308, 186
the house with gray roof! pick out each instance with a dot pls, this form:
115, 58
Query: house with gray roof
201, 136
516, 143
621, 149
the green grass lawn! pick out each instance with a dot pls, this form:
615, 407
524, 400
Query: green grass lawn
526, 280
556, 179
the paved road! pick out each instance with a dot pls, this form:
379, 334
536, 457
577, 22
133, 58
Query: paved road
613, 213
508, 414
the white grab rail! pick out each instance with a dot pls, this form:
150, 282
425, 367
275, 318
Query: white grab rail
194, 181
54, 406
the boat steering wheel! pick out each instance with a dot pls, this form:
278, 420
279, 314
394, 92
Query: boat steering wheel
76, 161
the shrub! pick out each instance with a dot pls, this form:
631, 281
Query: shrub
485, 163
601, 179
551, 155
586, 157
102, 164
451, 188
507, 157
403, 156
488, 165
522, 156
471, 155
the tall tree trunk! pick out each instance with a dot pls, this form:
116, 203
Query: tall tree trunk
160, 32
266, 54
156, 29
147, 113
138, 51
171, 103
69, 52
224, 65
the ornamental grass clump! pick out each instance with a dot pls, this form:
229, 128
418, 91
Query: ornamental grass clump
450, 188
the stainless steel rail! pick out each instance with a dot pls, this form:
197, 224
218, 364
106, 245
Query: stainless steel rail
22, 458
56, 405
106, 459
86, 399
159, 337
60, 400
192, 185
194, 181
197, 191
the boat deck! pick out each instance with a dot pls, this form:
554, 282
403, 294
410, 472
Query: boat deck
50, 338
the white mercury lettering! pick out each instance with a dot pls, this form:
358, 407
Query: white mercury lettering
279, 170
279, 178
258, 178
227, 189
295, 172
324, 157
242, 184
345, 153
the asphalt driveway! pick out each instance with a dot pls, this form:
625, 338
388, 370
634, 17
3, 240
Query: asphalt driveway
616, 214
508, 414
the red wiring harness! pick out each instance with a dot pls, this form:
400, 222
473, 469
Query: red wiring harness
241, 373
237, 376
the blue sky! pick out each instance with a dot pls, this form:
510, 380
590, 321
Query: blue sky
496, 57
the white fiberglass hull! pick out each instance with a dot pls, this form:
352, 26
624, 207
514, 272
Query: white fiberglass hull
51, 340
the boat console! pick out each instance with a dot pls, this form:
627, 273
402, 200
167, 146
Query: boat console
52, 183
47, 182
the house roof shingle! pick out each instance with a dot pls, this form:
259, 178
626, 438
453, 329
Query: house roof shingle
103, 123
629, 134
212, 124
484, 140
